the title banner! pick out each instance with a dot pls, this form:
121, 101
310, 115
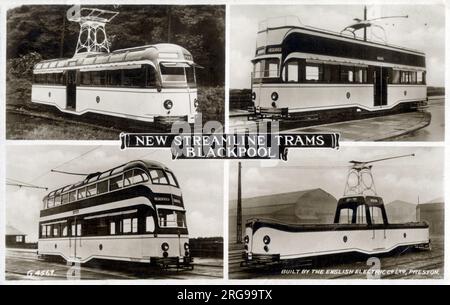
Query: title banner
229, 146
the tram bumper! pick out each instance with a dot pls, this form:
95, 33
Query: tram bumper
258, 113
185, 262
166, 120
252, 259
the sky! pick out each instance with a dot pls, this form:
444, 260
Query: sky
402, 179
423, 30
202, 186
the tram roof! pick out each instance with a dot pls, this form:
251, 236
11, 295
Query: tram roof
92, 177
165, 51
289, 28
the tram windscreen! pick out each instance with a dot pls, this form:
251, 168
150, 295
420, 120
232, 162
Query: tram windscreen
190, 76
171, 219
266, 68
173, 73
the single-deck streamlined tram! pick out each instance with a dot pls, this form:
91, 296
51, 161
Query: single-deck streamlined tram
361, 225
315, 76
133, 212
150, 83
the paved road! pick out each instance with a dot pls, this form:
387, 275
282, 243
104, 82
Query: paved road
19, 265
401, 127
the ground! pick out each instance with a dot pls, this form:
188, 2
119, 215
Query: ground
24, 265
413, 264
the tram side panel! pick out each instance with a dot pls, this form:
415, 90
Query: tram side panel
145, 104
63, 247
310, 96
306, 244
400, 93
50, 95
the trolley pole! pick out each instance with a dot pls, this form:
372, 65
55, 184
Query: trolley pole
365, 18
239, 208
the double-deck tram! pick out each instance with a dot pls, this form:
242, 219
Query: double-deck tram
133, 212
152, 83
318, 75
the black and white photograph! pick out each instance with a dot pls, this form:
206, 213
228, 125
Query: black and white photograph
95, 213
356, 213
369, 72
91, 72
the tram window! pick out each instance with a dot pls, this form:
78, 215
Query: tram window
72, 196
57, 200
376, 215
48, 231
51, 202
43, 232
150, 76
85, 78
172, 180
114, 77
292, 72
172, 74
395, 79
112, 228
149, 224
419, 77
134, 225
361, 75
133, 78
190, 76
413, 77
98, 78
139, 176
126, 225
345, 216
312, 73
257, 72
346, 74
361, 214
102, 187
78, 229
55, 230
65, 198
127, 178
82, 193
72, 229
116, 183
171, 219
64, 229
158, 177
91, 190
271, 67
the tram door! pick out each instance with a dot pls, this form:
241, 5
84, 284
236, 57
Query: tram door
75, 239
380, 78
71, 89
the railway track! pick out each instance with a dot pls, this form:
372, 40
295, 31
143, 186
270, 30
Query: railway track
104, 123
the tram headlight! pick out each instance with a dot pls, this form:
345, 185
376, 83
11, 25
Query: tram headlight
274, 96
186, 246
168, 104
165, 247
246, 239
253, 95
196, 103
266, 240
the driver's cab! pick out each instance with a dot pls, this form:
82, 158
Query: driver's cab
361, 210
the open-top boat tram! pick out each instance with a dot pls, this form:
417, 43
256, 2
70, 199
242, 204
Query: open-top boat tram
315, 76
134, 212
361, 225
151, 83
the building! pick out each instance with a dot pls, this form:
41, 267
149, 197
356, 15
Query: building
308, 206
399, 211
433, 213
14, 238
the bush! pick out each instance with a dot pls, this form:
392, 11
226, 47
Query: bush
212, 104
